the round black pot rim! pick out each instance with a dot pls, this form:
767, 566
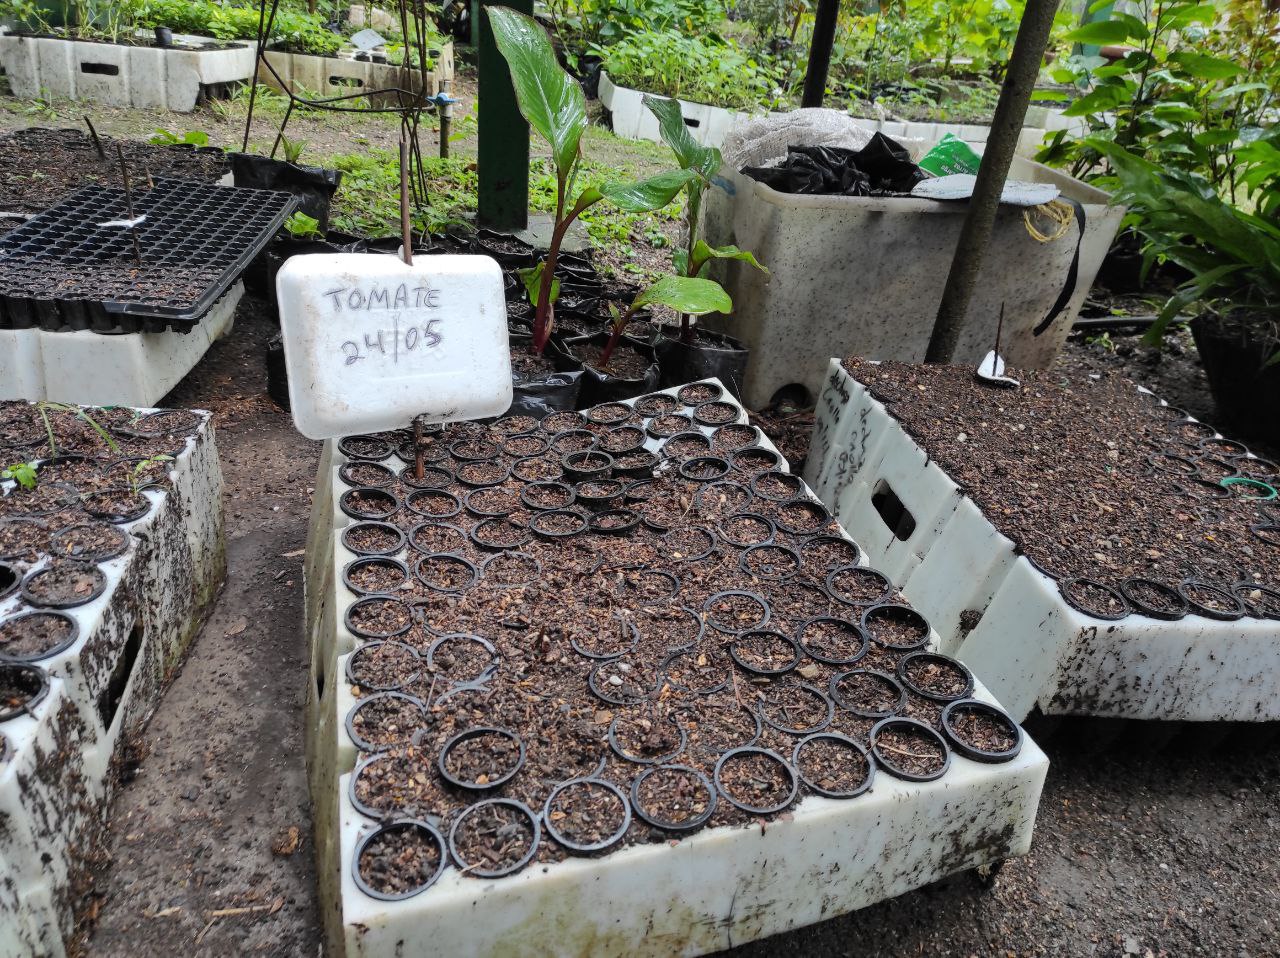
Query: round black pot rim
373, 646
100, 586
791, 773
923, 654
862, 787
476, 732
365, 745
972, 752
396, 825
622, 753
897, 771
884, 678
587, 848
665, 825
73, 635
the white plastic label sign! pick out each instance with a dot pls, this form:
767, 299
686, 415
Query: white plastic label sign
370, 342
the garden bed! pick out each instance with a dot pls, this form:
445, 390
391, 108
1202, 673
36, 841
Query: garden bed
344, 75
114, 74
631, 631
1074, 543
107, 567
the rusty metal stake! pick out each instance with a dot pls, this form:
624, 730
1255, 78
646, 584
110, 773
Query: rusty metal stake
419, 447
97, 143
406, 228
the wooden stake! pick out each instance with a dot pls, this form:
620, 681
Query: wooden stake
999, 326
405, 227
97, 143
128, 203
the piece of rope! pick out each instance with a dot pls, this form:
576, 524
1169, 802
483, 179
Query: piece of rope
1057, 212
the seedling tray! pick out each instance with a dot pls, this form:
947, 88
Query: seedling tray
63, 270
727, 874
1118, 576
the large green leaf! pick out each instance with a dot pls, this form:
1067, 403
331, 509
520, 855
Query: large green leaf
1100, 100
1205, 67
1101, 33
642, 196
531, 279
690, 154
549, 98
685, 294
702, 253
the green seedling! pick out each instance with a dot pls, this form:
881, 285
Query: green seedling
140, 468
23, 473
302, 226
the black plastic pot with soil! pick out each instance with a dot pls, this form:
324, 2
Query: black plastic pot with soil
314, 186
1246, 391
703, 355
632, 368
540, 386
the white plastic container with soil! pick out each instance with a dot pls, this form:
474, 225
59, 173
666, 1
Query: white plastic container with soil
1083, 546
353, 72
862, 275
614, 682
111, 553
141, 76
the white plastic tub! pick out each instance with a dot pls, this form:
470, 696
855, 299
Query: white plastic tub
716, 889
1029, 645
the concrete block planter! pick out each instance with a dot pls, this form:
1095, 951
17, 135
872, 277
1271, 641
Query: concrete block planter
1009, 620
339, 76
696, 891
107, 656
120, 75
862, 276
87, 367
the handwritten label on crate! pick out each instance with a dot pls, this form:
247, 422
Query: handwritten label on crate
370, 343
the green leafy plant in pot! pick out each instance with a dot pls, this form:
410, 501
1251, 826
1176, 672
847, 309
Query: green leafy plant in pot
555, 107
696, 353
1233, 254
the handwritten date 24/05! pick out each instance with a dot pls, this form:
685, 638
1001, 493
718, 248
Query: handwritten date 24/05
392, 342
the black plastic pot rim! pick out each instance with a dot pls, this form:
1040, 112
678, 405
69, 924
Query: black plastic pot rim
483, 512
592, 415
433, 495
100, 586
826, 539
904, 675
344, 472
568, 463
123, 540
640, 470
564, 487
369, 600
580, 848
712, 487
824, 658
434, 524
717, 392
880, 609
477, 536
1238, 611
1064, 584
629, 520
143, 506
796, 654
614, 698
462, 474
760, 600
482, 456
971, 751
363, 561
433, 476
661, 759
535, 827
539, 518
665, 401
688, 435
515, 468
778, 474
609, 656
622, 450
690, 825
724, 683
656, 432
537, 568
363, 744
744, 561
345, 443
397, 826
369, 648
897, 771
885, 593
73, 635
740, 457
28, 707
821, 726
844, 740
1247, 587
1129, 585
741, 750
705, 418
812, 508
697, 556
748, 543
554, 423
452, 557
689, 468
344, 502
510, 440
884, 678
476, 732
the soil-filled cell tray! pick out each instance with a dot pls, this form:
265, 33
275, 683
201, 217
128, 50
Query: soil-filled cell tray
64, 269
1082, 545
110, 553
624, 710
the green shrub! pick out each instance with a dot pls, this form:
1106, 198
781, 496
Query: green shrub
183, 16
295, 32
701, 70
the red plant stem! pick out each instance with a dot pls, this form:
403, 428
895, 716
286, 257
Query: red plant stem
618, 328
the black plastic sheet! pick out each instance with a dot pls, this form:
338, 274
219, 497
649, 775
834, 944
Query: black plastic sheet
881, 167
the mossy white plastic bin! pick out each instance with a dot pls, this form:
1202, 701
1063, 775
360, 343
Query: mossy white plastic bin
863, 276
344, 75
718, 888
56, 788
1029, 645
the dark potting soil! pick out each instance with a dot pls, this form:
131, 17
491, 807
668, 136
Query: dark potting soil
18, 686
754, 779
626, 631
832, 765
939, 676
625, 363
1089, 477
910, 749
366, 474
399, 860
64, 583
88, 541
982, 730
674, 795
367, 537
30, 636
492, 838
484, 758
374, 577
383, 665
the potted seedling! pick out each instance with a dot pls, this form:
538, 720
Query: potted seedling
614, 372
313, 185
696, 353
555, 107
1233, 255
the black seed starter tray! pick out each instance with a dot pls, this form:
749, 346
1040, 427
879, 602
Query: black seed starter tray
62, 271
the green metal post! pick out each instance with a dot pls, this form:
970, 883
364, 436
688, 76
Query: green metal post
502, 164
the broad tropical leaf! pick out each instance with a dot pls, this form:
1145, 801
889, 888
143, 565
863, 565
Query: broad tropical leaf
690, 154
702, 253
695, 297
639, 197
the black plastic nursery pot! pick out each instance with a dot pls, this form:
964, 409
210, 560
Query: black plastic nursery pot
599, 386
314, 186
1245, 391
543, 395
709, 355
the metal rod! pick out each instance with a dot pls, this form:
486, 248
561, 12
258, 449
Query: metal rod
1011, 111
406, 229
265, 26
999, 327
97, 143
128, 203
446, 121
824, 36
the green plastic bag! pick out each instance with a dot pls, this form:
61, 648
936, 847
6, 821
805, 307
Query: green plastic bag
951, 155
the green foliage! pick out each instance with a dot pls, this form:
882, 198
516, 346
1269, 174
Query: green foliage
165, 137
302, 226
601, 22
699, 68
292, 148
140, 469
686, 294
23, 473
295, 31
182, 16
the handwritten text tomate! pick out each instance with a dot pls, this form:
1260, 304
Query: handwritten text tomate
403, 296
